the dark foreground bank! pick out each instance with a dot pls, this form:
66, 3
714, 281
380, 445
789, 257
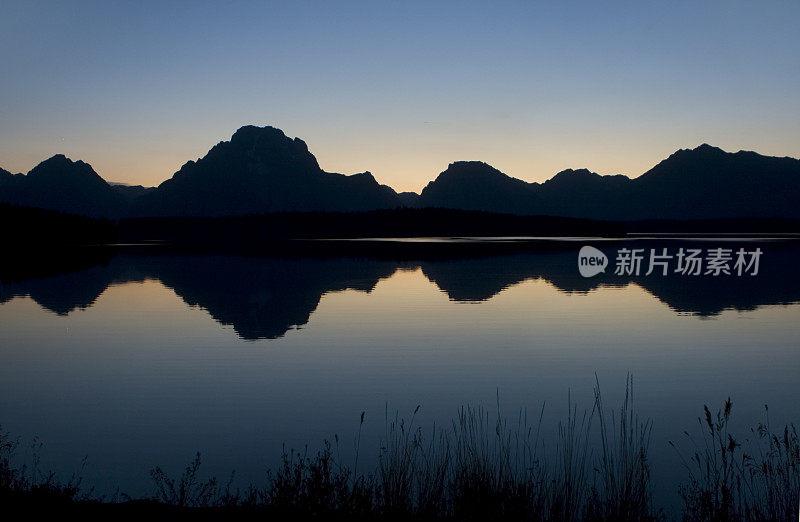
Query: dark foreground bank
32, 226
484, 467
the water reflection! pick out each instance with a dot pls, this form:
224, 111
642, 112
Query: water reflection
264, 297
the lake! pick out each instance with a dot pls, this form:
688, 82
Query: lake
139, 356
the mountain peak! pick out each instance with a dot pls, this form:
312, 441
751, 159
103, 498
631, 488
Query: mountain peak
475, 185
58, 183
270, 144
470, 173
60, 167
251, 133
262, 170
471, 164
574, 174
471, 169
58, 160
705, 147
701, 153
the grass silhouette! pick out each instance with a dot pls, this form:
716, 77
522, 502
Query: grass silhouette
483, 466
758, 479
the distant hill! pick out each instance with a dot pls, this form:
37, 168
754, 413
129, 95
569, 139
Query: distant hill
260, 170
131, 192
64, 185
409, 199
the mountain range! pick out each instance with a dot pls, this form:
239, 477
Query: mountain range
261, 170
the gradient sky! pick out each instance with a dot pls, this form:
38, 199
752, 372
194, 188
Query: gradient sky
398, 88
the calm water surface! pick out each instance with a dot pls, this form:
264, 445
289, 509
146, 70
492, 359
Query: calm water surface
140, 359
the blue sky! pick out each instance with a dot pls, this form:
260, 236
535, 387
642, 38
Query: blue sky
398, 88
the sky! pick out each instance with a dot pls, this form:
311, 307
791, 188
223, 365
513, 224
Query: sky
401, 89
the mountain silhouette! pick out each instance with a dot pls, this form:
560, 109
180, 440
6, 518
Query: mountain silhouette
261, 170
59, 183
707, 181
474, 185
582, 193
7, 178
692, 184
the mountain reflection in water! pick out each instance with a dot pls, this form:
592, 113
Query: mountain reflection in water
263, 297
